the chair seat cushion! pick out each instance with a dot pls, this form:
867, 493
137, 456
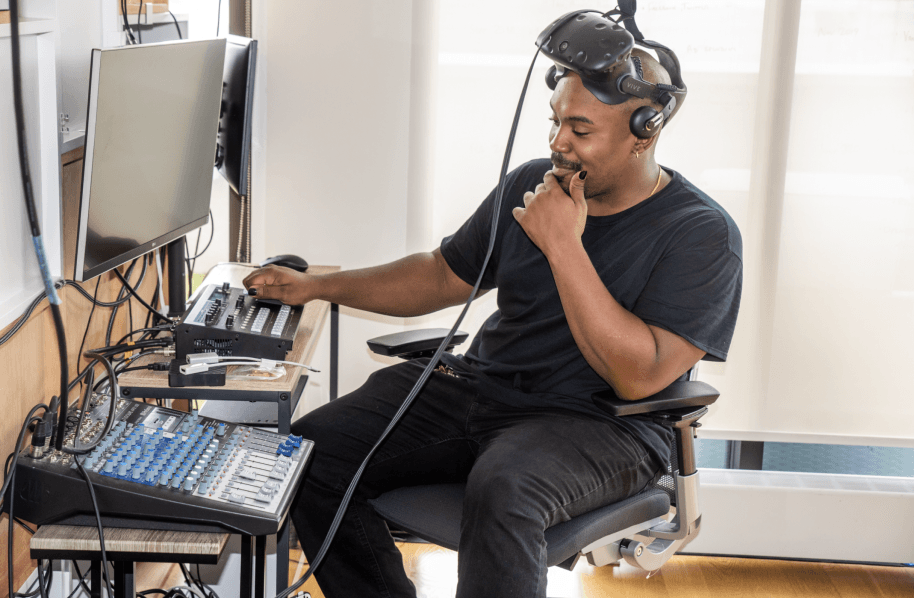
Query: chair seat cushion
433, 513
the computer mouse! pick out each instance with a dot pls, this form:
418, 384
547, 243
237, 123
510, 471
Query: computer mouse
286, 260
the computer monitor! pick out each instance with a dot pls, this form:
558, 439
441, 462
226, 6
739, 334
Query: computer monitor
233, 145
148, 162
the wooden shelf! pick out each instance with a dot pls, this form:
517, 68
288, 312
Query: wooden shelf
305, 343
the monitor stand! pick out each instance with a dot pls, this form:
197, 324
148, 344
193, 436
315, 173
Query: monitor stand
177, 278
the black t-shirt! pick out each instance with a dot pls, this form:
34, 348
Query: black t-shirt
674, 260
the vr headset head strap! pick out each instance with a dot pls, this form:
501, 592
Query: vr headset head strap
604, 61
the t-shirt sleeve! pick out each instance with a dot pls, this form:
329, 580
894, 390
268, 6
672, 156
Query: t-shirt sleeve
465, 250
694, 290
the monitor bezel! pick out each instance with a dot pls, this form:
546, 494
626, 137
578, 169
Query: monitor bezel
250, 53
80, 274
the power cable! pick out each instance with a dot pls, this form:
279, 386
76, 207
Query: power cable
88, 322
98, 517
130, 38
28, 193
140, 299
139, 32
175, 19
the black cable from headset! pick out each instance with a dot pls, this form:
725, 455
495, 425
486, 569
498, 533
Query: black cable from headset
420, 383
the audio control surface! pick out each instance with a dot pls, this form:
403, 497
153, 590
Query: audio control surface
230, 322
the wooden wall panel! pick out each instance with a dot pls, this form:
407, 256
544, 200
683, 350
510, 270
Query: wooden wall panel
29, 362
72, 172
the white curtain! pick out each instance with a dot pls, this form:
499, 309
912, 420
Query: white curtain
799, 121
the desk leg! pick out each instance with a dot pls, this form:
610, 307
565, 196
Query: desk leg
260, 564
334, 348
282, 556
95, 579
124, 583
246, 566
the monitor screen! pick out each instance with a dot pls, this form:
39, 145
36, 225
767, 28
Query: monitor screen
148, 167
233, 145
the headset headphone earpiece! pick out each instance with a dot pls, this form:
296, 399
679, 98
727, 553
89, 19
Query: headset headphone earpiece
645, 121
638, 124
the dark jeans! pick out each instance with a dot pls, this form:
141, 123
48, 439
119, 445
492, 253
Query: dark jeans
526, 470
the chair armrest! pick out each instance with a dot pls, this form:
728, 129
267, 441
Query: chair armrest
414, 343
679, 394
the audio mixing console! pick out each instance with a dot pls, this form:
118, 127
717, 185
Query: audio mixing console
170, 469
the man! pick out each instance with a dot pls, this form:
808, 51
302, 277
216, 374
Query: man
611, 271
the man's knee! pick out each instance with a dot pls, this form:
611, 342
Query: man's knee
505, 496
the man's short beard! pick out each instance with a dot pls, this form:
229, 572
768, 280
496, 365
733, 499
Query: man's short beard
561, 162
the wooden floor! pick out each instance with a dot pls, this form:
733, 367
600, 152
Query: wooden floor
434, 570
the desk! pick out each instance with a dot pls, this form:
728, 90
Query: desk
285, 391
126, 546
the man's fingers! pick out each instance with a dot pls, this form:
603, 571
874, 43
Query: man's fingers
519, 212
528, 197
576, 188
261, 291
263, 281
549, 180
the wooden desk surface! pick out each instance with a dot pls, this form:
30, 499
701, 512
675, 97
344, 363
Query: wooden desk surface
312, 321
79, 539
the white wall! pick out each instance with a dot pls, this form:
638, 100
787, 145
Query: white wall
18, 265
331, 157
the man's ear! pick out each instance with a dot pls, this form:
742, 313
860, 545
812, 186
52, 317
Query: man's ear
642, 145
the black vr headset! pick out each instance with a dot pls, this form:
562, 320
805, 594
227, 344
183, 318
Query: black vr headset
597, 48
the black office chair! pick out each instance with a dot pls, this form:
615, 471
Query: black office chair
645, 529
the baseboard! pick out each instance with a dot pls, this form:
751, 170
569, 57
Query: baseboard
808, 516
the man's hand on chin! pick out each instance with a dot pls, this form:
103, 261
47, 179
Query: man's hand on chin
552, 218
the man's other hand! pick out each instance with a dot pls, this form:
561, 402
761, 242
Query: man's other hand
283, 284
551, 217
